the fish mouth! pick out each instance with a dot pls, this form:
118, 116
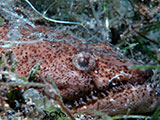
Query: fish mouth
119, 93
119, 99
96, 94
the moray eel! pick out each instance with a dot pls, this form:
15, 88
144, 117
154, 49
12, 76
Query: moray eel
89, 76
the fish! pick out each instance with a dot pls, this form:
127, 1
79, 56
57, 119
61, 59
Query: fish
89, 76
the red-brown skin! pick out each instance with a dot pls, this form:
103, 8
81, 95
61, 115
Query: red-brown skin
89, 76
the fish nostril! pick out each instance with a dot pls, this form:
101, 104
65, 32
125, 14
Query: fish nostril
84, 61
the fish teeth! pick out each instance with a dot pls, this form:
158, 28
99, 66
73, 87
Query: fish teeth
76, 103
103, 94
81, 101
92, 93
95, 92
114, 89
94, 97
68, 106
87, 98
106, 92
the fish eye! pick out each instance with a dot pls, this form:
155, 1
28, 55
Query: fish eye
84, 61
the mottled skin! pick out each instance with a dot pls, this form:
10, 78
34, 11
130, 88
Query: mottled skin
89, 76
